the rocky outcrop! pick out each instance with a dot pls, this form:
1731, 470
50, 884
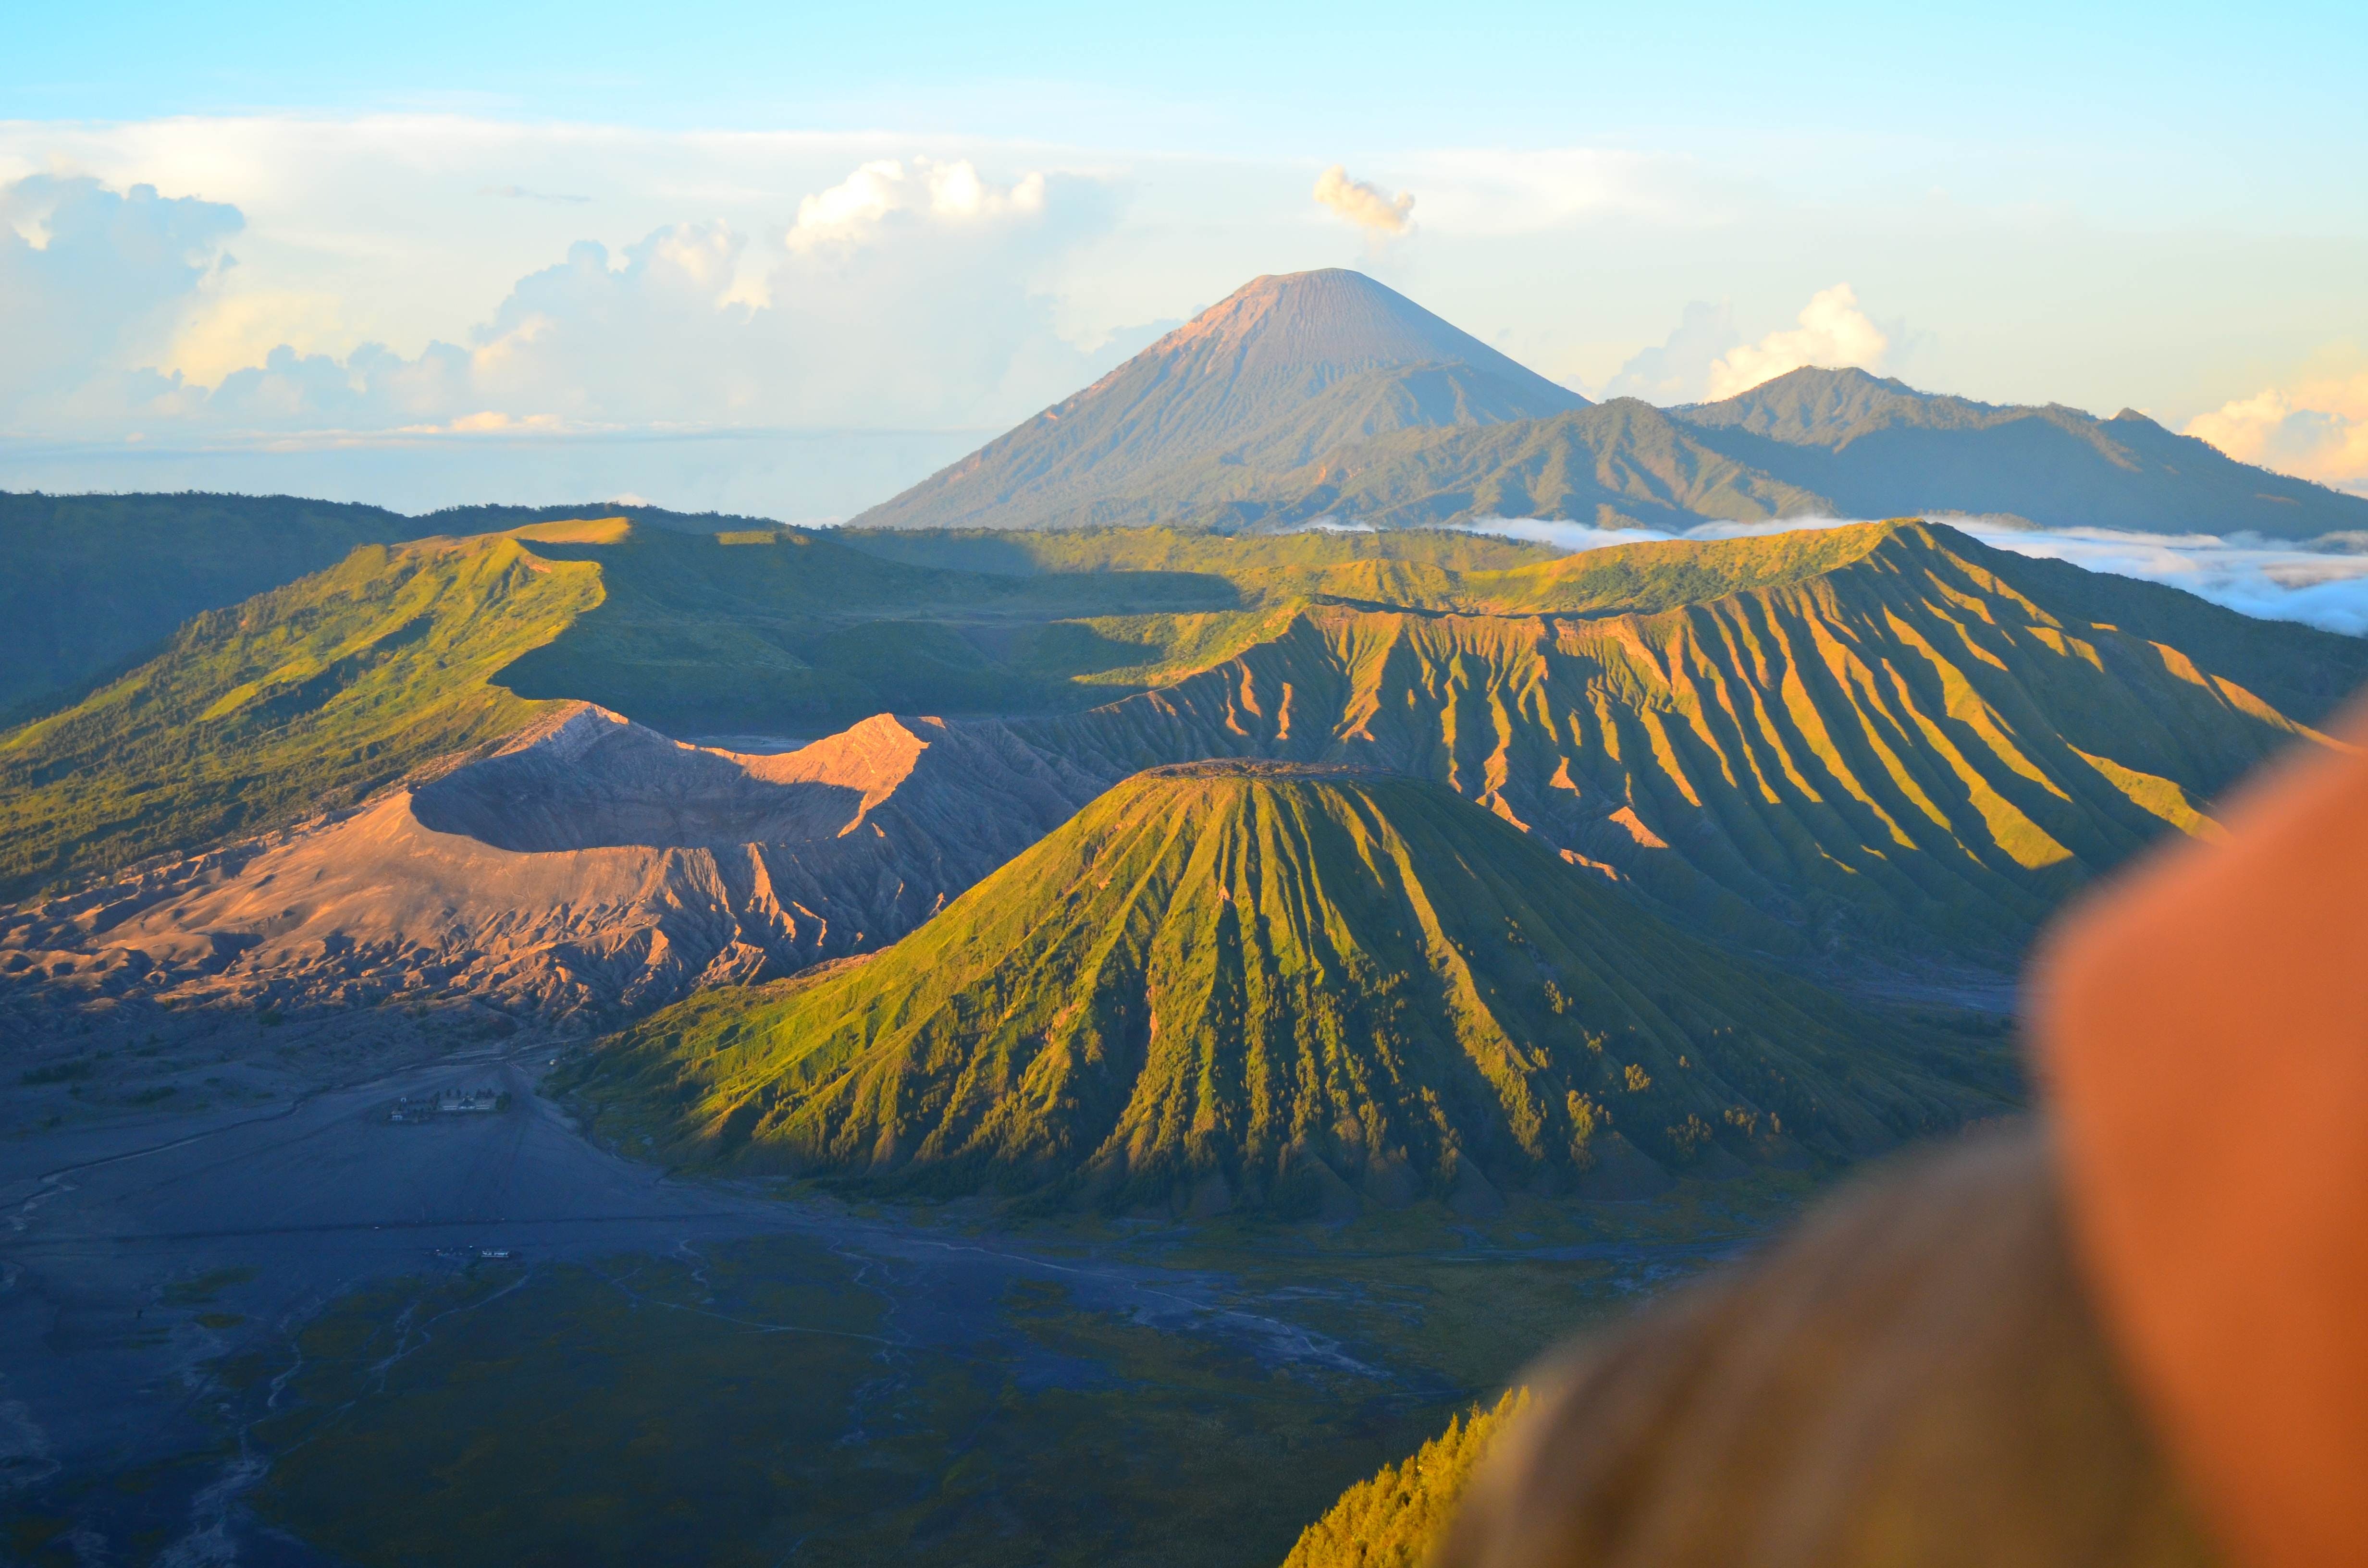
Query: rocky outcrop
591, 869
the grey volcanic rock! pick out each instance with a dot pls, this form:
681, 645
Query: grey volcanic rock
592, 869
1282, 371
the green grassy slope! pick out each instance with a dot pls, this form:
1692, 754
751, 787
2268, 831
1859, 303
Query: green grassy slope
780, 628
1228, 984
1886, 735
295, 700
1399, 1517
90, 582
306, 694
87, 581
1256, 563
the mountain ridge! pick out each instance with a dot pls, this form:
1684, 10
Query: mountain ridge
1322, 394
1875, 447
1875, 734
1260, 984
1876, 753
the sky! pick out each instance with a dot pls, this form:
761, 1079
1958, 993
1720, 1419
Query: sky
785, 259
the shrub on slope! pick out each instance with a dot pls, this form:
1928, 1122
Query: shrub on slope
1397, 1519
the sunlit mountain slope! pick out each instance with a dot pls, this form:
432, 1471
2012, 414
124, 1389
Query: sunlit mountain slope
1399, 1517
1882, 736
1236, 982
302, 698
296, 701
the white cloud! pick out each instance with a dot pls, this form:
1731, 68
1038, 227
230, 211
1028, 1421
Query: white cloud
2316, 430
1833, 333
856, 208
907, 292
1364, 204
91, 276
2325, 589
1678, 370
226, 330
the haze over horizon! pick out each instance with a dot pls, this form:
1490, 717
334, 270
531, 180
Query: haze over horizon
336, 261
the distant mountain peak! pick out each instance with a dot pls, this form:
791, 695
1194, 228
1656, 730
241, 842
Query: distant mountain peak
1812, 401
1334, 322
1278, 370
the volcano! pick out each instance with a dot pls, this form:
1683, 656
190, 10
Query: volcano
1285, 369
1249, 983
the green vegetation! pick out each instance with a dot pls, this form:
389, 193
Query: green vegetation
87, 581
1399, 1518
1880, 737
1268, 565
1073, 1395
791, 630
202, 1289
758, 1404
311, 694
1241, 983
59, 1072
298, 701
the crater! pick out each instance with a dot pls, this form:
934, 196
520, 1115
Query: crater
599, 781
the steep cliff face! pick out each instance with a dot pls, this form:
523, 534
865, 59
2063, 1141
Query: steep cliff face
1860, 740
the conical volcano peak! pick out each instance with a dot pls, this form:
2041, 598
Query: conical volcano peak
1332, 323
1283, 370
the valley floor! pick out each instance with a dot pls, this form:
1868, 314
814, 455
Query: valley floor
287, 1329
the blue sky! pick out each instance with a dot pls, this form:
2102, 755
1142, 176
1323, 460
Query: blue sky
452, 250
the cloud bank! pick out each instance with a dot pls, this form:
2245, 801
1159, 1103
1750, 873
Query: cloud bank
2326, 588
1833, 332
1367, 206
1678, 370
1706, 359
90, 275
2316, 429
910, 292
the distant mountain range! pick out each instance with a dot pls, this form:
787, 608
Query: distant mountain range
1325, 394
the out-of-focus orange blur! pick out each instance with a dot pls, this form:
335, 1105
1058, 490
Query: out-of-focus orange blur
2201, 1033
